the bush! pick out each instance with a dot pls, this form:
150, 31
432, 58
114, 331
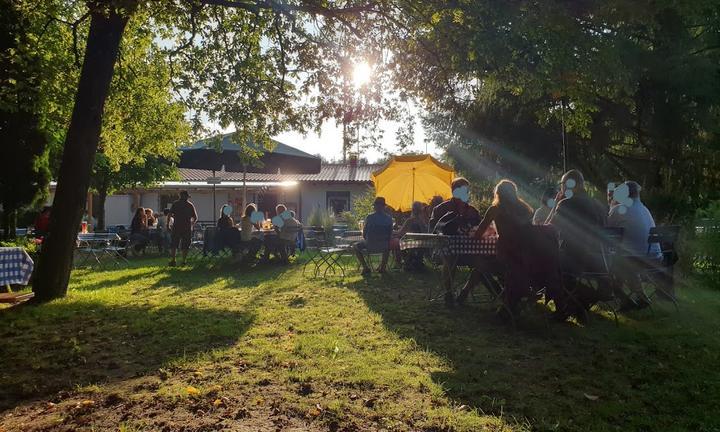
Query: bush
322, 218
704, 245
27, 243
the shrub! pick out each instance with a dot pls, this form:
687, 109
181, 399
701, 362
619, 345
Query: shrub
27, 243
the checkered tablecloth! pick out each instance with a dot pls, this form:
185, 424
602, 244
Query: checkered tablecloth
16, 266
450, 245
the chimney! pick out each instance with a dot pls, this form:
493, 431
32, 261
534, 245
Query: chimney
353, 160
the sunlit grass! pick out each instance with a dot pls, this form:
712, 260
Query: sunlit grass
242, 346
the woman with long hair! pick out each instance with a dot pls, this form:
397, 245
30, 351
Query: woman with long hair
512, 217
139, 230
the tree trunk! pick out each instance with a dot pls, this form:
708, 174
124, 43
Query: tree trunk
55, 262
102, 197
9, 222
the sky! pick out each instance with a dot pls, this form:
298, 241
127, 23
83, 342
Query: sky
328, 143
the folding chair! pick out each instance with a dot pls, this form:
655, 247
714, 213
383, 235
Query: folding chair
314, 242
600, 273
660, 273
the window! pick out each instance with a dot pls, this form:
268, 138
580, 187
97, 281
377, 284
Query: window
338, 202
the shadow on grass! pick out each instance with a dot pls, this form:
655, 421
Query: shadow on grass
61, 345
561, 377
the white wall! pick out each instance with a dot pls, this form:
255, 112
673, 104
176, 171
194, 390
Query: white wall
118, 210
314, 195
150, 200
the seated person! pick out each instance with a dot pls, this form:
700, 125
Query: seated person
578, 219
248, 242
512, 217
454, 216
414, 224
377, 232
149, 217
427, 211
548, 202
628, 212
164, 226
226, 236
139, 230
287, 232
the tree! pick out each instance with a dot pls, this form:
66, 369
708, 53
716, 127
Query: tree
23, 151
238, 63
510, 77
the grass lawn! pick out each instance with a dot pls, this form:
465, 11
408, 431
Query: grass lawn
223, 348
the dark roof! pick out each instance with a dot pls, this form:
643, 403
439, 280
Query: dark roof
331, 173
228, 144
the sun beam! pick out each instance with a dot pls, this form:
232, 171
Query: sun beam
361, 73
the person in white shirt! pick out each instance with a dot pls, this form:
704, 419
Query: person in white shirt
628, 212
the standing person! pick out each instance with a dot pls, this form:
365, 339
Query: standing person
513, 218
548, 202
377, 231
184, 217
42, 222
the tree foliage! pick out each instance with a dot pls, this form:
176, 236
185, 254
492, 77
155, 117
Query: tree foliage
25, 173
634, 84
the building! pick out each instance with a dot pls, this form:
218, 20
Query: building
335, 187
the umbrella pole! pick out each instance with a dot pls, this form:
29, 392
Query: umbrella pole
413, 194
214, 206
244, 200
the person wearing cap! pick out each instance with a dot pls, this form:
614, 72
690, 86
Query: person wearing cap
184, 217
377, 232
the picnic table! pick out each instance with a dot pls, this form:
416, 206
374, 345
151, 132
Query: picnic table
96, 246
16, 267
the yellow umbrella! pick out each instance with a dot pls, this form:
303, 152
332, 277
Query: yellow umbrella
412, 178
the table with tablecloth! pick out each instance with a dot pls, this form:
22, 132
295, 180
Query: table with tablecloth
16, 266
454, 250
450, 245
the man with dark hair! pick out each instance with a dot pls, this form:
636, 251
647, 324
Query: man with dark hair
455, 214
184, 217
579, 220
377, 232
455, 217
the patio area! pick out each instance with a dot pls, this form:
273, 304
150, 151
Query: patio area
216, 346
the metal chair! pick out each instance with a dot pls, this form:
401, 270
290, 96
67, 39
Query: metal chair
598, 277
660, 273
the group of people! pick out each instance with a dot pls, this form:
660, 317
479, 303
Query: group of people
150, 227
244, 237
574, 224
